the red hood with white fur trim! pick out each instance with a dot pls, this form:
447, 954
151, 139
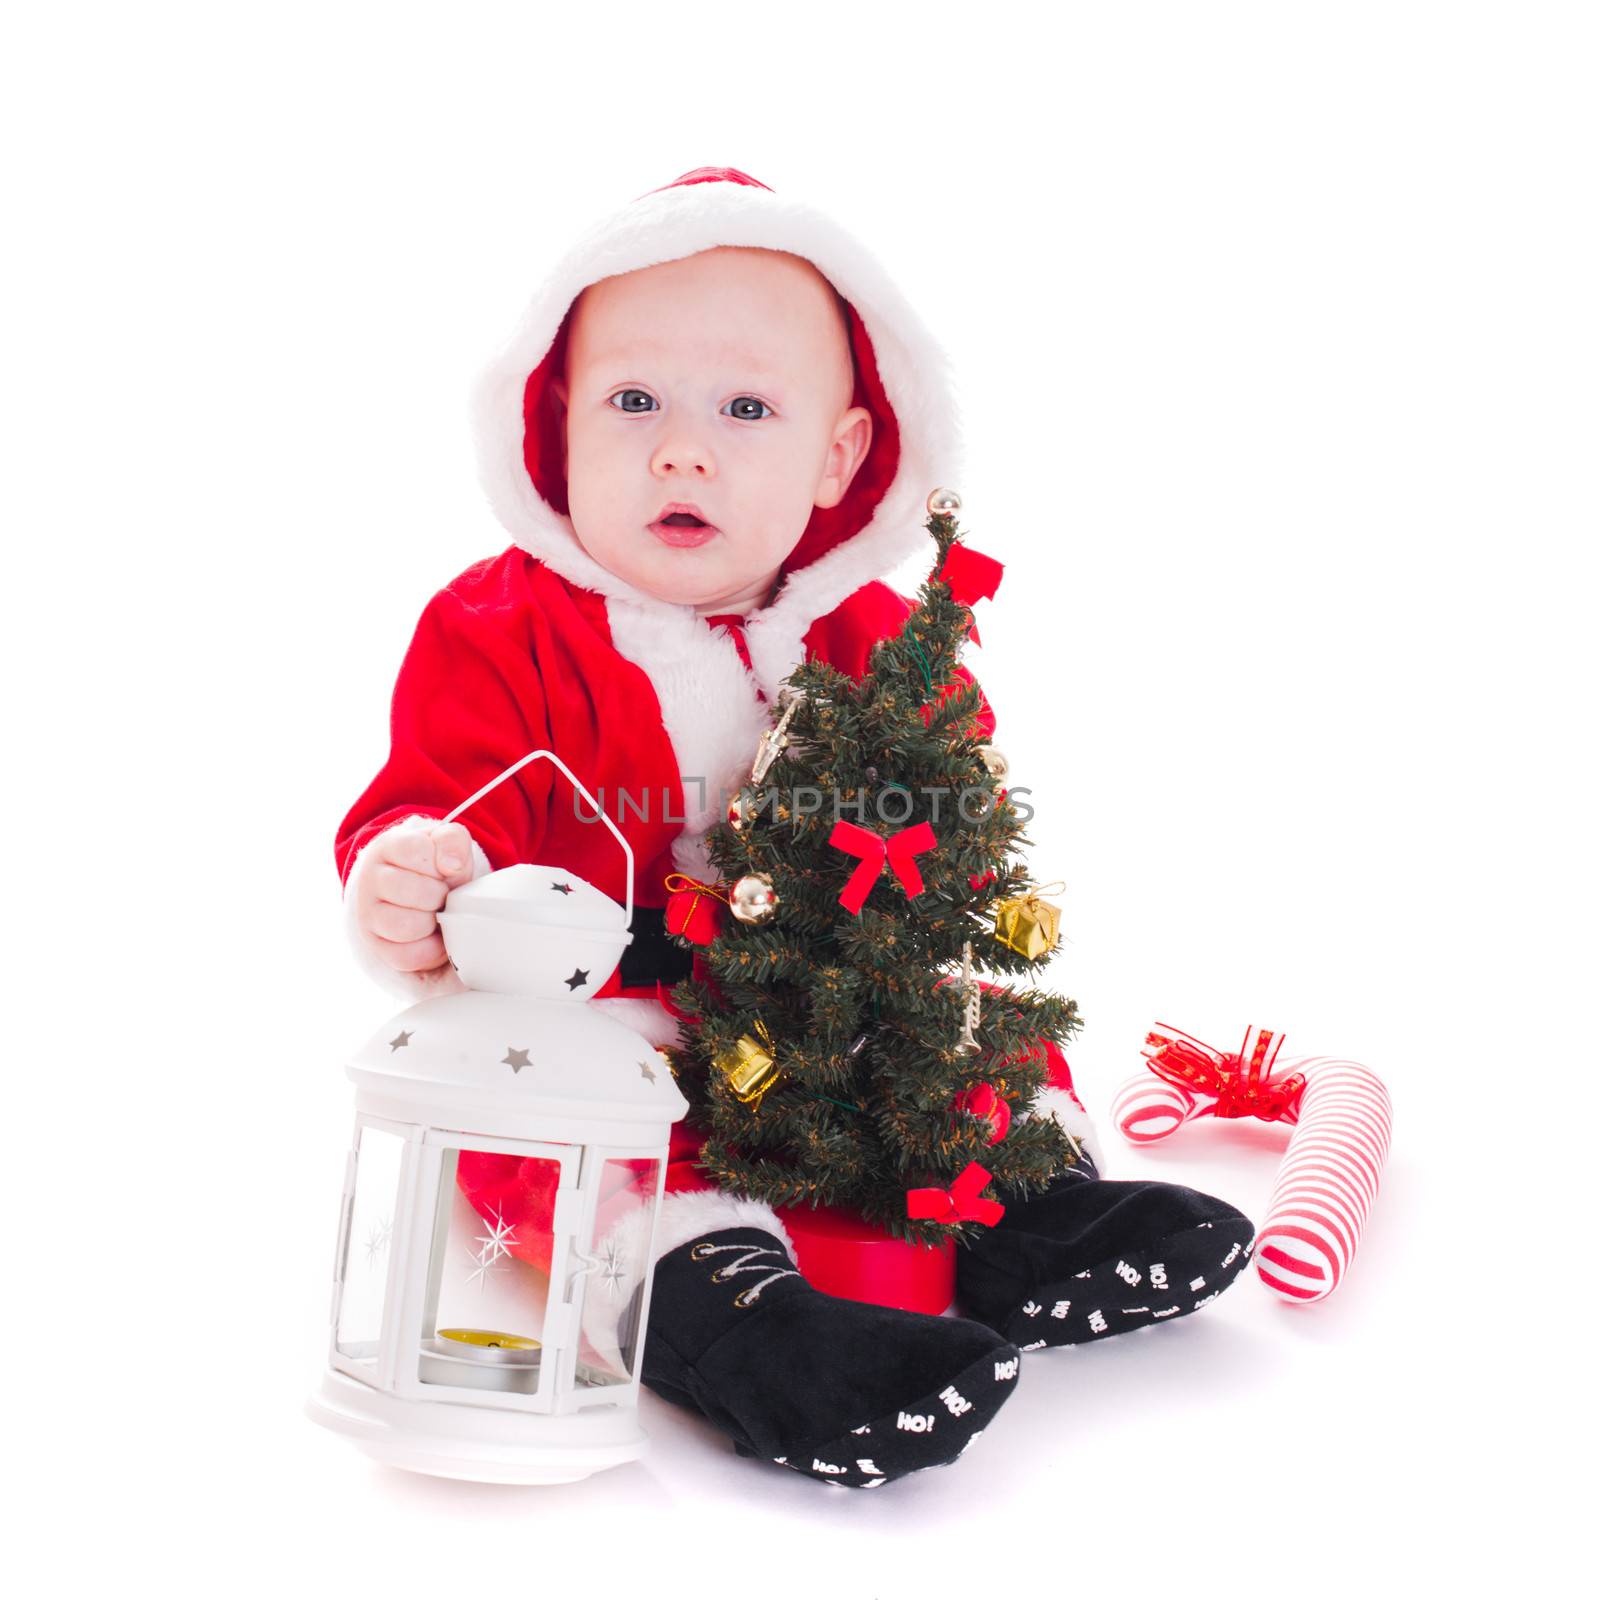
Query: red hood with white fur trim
902, 378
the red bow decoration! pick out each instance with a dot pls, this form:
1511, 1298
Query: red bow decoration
958, 1203
1242, 1084
971, 575
899, 850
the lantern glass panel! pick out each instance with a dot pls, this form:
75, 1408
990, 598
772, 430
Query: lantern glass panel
624, 1211
363, 1267
489, 1276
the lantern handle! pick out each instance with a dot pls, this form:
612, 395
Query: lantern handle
550, 755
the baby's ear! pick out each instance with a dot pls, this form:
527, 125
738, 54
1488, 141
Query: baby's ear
558, 395
852, 438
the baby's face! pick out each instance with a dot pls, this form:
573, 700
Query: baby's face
721, 381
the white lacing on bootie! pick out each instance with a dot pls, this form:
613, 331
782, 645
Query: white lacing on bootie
745, 1263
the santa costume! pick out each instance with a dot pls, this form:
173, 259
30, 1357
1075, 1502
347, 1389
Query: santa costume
659, 710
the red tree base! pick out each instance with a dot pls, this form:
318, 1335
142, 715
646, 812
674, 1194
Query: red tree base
842, 1255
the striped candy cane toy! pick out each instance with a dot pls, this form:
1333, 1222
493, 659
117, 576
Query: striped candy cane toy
1330, 1172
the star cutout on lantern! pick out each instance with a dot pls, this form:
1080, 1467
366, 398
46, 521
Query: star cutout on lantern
492, 1246
578, 979
515, 1059
613, 1268
562, 888
400, 1040
497, 1240
378, 1239
646, 1073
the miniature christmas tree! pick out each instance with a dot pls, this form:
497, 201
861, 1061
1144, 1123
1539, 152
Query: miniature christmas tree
838, 1047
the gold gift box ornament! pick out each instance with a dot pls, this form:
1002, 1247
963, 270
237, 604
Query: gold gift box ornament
748, 1066
1027, 924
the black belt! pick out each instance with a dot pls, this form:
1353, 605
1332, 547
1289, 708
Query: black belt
653, 956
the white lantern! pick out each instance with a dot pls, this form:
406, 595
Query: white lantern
492, 1273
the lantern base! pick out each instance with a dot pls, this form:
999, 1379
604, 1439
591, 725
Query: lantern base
840, 1254
477, 1443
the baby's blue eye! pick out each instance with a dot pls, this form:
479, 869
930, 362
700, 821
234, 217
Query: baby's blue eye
634, 410
750, 400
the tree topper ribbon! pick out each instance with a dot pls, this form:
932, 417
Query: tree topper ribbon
958, 1203
1241, 1084
970, 574
899, 850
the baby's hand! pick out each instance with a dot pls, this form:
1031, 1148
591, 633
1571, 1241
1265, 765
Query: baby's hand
405, 885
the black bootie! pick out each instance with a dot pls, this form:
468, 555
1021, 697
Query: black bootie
1091, 1257
850, 1393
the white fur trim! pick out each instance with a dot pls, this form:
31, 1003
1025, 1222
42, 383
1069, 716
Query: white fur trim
708, 708
681, 221
602, 1310
1057, 1103
408, 985
690, 1213
648, 1018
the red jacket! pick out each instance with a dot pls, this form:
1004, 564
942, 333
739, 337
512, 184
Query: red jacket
511, 657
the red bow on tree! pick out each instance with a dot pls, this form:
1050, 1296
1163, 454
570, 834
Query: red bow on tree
1241, 1085
899, 850
970, 574
958, 1203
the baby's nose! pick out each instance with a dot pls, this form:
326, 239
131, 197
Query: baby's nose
684, 456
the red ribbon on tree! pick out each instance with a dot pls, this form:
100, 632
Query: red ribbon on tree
1242, 1083
958, 1203
970, 574
899, 850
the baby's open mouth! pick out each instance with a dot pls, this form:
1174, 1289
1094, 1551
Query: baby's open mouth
682, 529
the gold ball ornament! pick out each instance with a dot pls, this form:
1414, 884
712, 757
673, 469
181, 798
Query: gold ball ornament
995, 761
752, 898
944, 503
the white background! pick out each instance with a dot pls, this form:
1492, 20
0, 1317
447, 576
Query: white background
1276, 327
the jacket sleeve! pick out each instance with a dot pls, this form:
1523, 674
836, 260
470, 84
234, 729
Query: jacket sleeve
468, 702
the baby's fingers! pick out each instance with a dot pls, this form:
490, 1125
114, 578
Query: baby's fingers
420, 955
399, 886
452, 852
400, 924
408, 848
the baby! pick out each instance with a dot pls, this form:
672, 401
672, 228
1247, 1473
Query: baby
712, 437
